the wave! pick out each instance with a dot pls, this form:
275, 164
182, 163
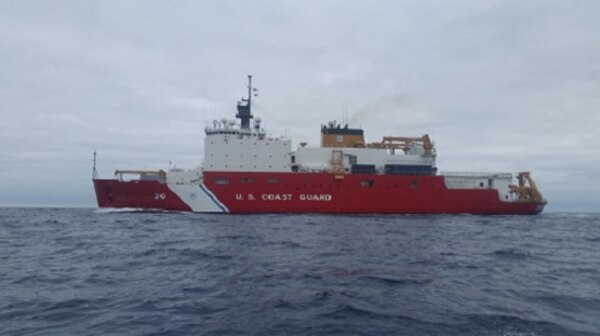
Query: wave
135, 210
400, 281
511, 253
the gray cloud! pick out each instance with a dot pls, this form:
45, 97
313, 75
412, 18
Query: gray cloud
501, 85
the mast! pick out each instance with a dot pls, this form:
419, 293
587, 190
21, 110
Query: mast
244, 107
94, 171
249, 92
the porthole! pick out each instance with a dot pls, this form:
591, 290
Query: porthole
221, 181
367, 183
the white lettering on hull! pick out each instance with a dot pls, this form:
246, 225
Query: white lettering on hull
240, 197
276, 197
315, 197
286, 197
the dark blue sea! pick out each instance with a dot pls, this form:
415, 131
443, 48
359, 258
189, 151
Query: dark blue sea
92, 272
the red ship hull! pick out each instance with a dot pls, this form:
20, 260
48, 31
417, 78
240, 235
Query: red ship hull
241, 192
112, 193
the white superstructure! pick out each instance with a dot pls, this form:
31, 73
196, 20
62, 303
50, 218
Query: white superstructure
230, 148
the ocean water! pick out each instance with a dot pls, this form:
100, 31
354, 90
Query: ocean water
92, 272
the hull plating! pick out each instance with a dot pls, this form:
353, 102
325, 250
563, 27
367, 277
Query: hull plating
137, 194
237, 192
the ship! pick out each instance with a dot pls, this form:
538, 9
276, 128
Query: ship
247, 170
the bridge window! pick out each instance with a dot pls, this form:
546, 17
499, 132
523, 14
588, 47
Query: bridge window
248, 180
274, 180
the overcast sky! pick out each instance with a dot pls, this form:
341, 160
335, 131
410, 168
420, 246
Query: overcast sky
499, 85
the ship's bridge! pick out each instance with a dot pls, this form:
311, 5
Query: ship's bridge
226, 126
230, 147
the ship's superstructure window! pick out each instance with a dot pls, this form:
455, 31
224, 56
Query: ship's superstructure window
221, 181
413, 184
247, 180
273, 180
